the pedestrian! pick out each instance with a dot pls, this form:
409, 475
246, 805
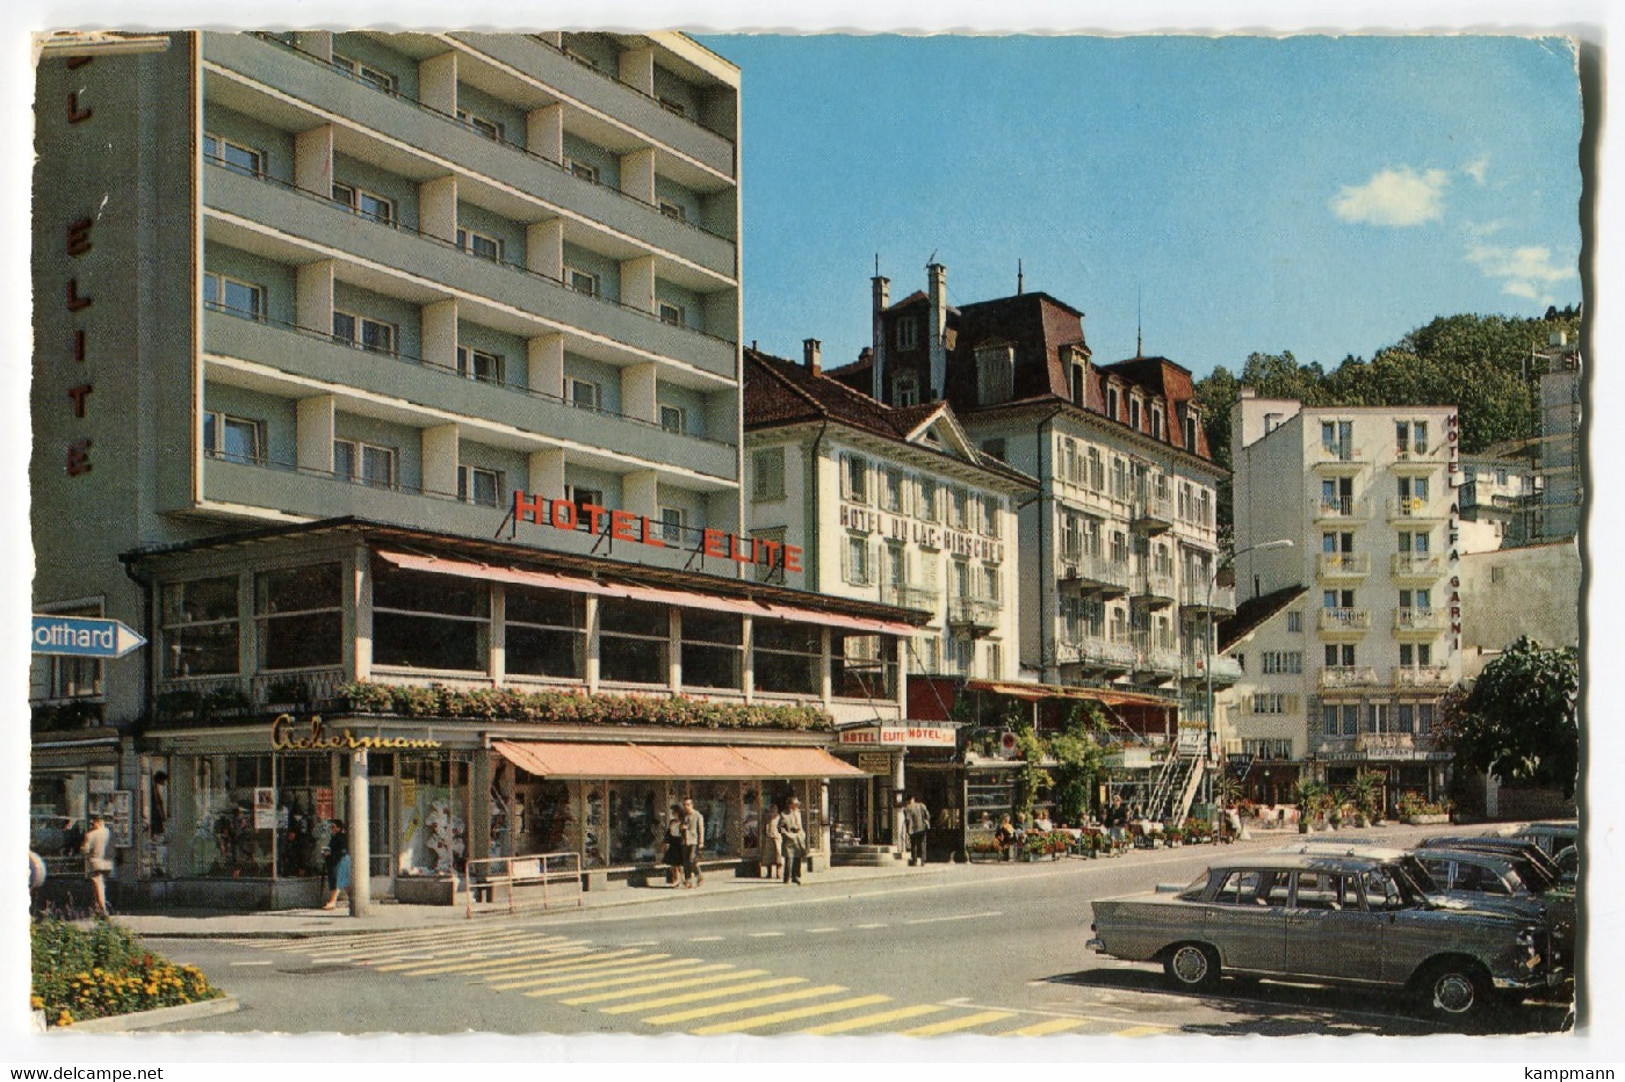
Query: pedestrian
1005, 838
917, 821
1117, 820
676, 853
792, 839
770, 852
337, 864
98, 850
693, 839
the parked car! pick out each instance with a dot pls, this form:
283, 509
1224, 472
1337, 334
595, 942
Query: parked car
1332, 919
1492, 843
1552, 836
1508, 874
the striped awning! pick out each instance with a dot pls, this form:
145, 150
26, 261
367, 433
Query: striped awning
564, 759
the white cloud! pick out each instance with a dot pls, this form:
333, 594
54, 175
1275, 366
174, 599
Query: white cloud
1526, 271
1398, 197
1477, 169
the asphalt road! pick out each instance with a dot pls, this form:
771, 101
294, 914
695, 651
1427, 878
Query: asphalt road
978, 949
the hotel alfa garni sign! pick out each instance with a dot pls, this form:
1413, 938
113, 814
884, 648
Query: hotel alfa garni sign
930, 535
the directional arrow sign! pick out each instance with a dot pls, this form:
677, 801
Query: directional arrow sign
83, 637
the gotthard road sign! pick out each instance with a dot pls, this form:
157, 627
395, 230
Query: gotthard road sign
83, 637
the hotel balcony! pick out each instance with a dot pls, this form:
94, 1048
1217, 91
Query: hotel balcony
1338, 623
1152, 514
1340, 566
1154, 661
1194, 596
974, 615
1342, 509
1413, 461
1094, 574
1419, 623
1112, 656
1154, 589
1340, 459
1412, 509
1226, 670
1347, 676
911, 597
1431, 677
1415, 568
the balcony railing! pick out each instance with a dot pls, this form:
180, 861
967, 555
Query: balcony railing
1226, 670
1153, 655
1384, 742
1153, 512
1155, 586
1336, 565
1347, 676
1343, 509
909, 597
1341, 453
1102, 653
1194, 595
1414, 619
1093, 572
1426, 676
1416, 565
1412, 509
1345, 620
973, 612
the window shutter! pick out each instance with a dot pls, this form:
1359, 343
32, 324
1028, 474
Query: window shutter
846, 559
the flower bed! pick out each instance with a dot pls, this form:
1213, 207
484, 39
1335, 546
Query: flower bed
81, 973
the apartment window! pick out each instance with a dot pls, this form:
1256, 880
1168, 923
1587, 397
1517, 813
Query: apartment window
1119, 479
366, 204
674, 419
1111, 402
235, 439
1413, 491
1272, 421
366, 463
1097, 470
491, 129
200, 627
1190, 431
581, 282
671, 525
892, 486
430, 621
1156, 421
232, 295
372, 335
855, 564
1069, 459
476, 484
546, 633
1340, 655
377, 77
675, 211
1415, 655
1419, 437
585, 394
713, 649
994, 448
1351, 719
855, 478
234, 156
584, 498
1294, 621
1071, 536
908, 333
300, 616
1337, 599
930, 504
1376, 718
1282, 661
1079, 384
1424, 717
1402, 437
990, 585
634, 642
990, 516
674, 315
582, 170
767, 474
1416, 542
906, 390
961, 509
1134, 413
480, 365
1405, 718
1119, 547
1418, 599
1337, 437
1330, 715
1269, 702
480, 244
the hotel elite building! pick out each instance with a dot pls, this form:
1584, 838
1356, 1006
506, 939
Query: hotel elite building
391, 384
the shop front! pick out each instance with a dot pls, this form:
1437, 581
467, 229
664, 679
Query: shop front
895, 761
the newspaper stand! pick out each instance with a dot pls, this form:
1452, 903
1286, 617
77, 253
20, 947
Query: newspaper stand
557, 874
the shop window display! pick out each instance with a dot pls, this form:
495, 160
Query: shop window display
546, 633
637, 822
430, 621
592, 825
788, 657
56, 818
301, 833
751, 817
300, 616
230, 838
716, 800
434, 833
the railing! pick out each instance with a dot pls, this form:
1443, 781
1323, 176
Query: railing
1149, 507
1414, 619
1343, 507
1341, 452
558, 875
1369, 742
1155, 584
297, 687
1226, 670
1153, 656
1347, 676
1194, 595
1345, 619
973, 611
1410, 507
1338, 564
1100, 652
1416, 565
1087, 569
1427, 676
618, 81
909, 597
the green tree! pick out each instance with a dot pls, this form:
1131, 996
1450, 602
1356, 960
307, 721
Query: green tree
1520, 722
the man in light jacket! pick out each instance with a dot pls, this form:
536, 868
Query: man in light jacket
98, 851
693, 838
793, 838
917, 821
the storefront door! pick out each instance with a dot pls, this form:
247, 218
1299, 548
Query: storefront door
381, 836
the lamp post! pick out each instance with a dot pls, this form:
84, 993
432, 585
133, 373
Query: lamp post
1207, 764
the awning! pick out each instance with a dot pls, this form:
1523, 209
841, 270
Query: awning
1032, 692
548, 580
649, 761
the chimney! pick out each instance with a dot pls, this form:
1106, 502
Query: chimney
877, 371
1558, 338
811, 349
937, 274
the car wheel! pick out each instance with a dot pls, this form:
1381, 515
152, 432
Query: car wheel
1455, 990
1193, 966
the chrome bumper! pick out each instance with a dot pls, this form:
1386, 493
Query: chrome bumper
1096, 944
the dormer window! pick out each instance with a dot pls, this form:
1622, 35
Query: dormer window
1111, 402
1156, 420
1190, 429
905, 389
908, 333
1134, 412
995, 374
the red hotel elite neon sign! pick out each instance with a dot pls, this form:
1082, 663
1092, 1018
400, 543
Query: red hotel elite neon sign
625, 526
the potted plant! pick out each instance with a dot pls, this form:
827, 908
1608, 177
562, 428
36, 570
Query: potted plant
1306, 795
1174, 835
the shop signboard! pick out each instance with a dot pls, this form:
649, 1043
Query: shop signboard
874, 762
894, 736
81, 636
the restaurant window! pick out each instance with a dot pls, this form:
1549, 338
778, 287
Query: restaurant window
433, 796
634, 642
862, 666
713, 649
788, 657
637, 823
227, 841
200, 629
303, 784
430, 621
299, 617
546, 633
717, 802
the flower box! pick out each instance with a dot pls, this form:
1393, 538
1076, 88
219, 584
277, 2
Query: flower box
1420, 819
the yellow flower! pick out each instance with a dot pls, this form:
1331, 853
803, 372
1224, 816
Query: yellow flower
64, 1019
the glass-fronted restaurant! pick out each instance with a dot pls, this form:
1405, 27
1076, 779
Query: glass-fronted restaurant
509, 702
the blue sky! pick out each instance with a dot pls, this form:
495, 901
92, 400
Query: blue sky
1315, 194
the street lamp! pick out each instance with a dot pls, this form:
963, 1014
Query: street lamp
1207, 765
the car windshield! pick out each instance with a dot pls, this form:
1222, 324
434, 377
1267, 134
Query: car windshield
1418, 874
1196, 887
1536, 878
1411, 892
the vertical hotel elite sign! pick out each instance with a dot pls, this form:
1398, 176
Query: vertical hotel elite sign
77, 235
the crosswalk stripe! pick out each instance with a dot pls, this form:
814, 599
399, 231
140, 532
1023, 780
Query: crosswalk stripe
646, 980
867, 1020
954, 1024
397, 952
689, 979
522, 976
714, 993
419, 969
508, 982
758, 1021
1038, 1029
743, 1004
462, 961
1141, 1031
397, 943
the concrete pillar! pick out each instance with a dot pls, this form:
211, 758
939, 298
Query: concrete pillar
637, 69
499, 636
638, 174
638, 283
361, 605
547, 474
544, 357
313, 159
313, 426
360, 842
313, 296
477, 815
440, 460
544, 248
674, 655
899, 835
638, 392
437, 83
439, 322
544, 132
590, 612
437, 208
640, 493
748, 633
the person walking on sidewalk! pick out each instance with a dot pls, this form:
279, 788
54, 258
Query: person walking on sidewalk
693, 839
98, 850
338, 864
916, 820
769, 851
676, 854
792, 839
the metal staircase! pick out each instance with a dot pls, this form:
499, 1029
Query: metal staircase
1175, 787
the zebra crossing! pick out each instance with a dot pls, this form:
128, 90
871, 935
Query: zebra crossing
653, 988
